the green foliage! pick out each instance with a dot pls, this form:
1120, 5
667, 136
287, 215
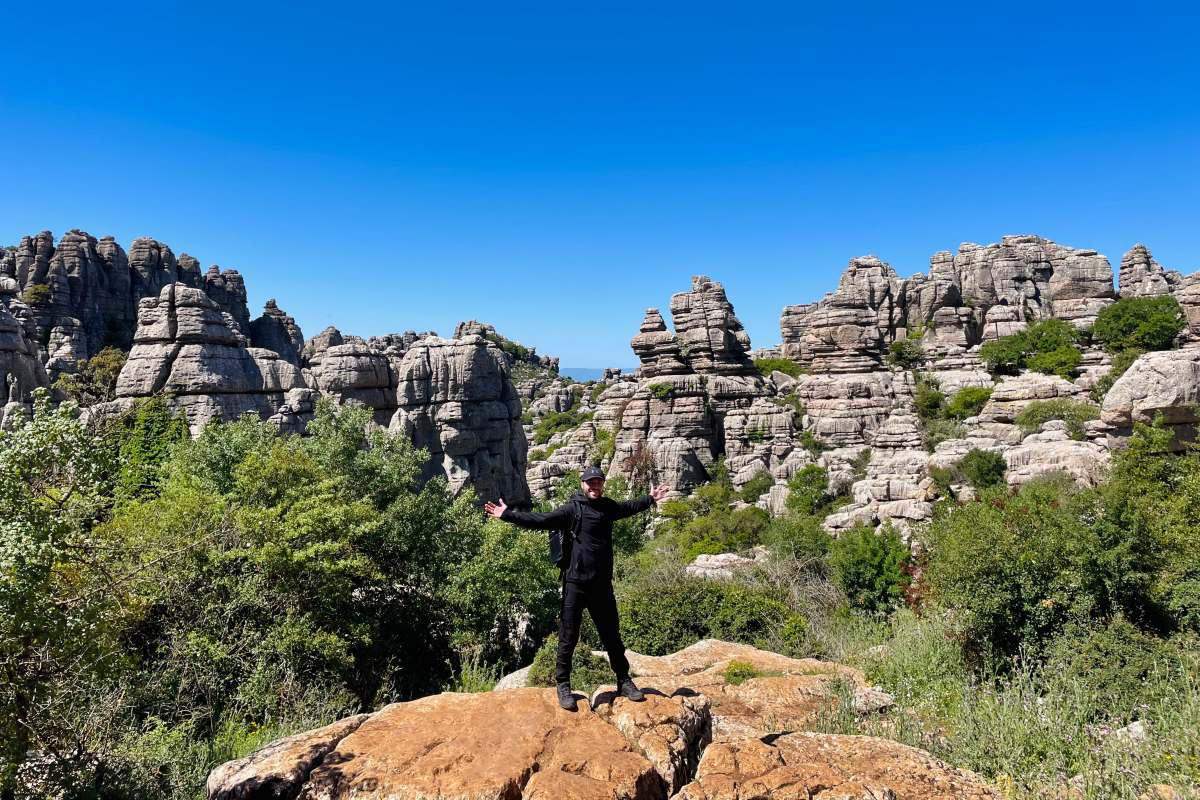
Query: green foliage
1075, 413
143, 439
967, 402
982, 469
597, 390
798, 536
556, 422
474, 675
785, 365
36, 295
1139, 323
808, 490
1047, 346
1120, 363
906, 353
603, 447
871, 568
936, 431
663, 616
927, 398
1015, 570
95, 380
660, 391
793, 402
587, 671
756, 487
811, 443
738, 672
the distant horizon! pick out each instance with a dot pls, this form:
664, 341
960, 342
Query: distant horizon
556, 170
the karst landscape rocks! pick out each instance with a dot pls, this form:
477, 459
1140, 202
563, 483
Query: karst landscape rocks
495, 417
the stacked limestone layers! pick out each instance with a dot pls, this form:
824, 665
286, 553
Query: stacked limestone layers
455, 398
191, 352
20, 368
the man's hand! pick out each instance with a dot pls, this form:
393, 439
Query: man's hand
659, 492
494, 509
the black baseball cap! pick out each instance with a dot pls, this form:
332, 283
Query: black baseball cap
591, 473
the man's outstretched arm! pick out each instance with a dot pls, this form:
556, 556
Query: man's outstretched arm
528, 519
630, 507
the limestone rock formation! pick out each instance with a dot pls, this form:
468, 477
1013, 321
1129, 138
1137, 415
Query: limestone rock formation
1164, 383
681, 742
455, 398
708, 331
189, 350
350, 371
277, 331
515, 352
1141, 276
21, 369
227, 289
1053, 451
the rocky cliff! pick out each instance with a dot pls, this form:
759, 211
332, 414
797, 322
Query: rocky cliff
697, 736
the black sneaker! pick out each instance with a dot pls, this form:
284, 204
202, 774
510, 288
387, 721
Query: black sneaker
627, 689
566, 698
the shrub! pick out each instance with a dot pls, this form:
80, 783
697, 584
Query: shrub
756, 487
1073, 412
1047, 346
906, 353
927, 398
1139, 323
587, 671
982, 469
662, 616
738, 672
1061, 361
1015, 570
939, 430
811, 443
871, 568
556, 422
1121, 362
36, 295
660, 391
785, 365
95, 380
798, 536
967, 402
1120, 667
808, 490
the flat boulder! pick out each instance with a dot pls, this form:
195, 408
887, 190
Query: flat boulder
814, 766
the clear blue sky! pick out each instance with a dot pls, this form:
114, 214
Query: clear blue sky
556, 168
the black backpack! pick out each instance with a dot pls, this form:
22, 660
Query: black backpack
562, 540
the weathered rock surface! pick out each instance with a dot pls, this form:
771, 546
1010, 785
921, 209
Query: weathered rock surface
1053, 451
812, 766
277, 331
455, 398
1165, 383
189, 350
21, 369
517, 743
1141, 276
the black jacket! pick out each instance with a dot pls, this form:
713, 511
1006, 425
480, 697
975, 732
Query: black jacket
592, 553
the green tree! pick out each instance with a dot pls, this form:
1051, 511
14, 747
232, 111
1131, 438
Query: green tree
967, 402
95, 380
906, 353
983, 469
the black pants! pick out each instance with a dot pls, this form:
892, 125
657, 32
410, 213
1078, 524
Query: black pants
597, 597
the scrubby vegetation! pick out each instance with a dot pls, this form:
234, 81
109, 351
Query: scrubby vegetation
1120, 363
906, 353
556, 422
941, 419
1073, 412
95, 380
1048, 347
785, 365
1139, 323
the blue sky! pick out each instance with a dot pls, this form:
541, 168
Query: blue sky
556, 168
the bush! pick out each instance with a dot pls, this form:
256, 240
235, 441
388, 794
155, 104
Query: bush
808, 490
756, 487
1139, 323
587, 671
967, 402
95, 380
1073, 412
660, 617
738, 672
926, 397
1120, 667
36, 295
937, 431
982, 469
1120, 363
785, 365
798, 536
906, 353
871, 568
556, 422
660, 391
1047, 346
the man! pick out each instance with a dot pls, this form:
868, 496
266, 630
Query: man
587, 577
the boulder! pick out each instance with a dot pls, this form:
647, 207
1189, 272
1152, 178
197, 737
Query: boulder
277, 331
814, 766
1165, 383
1053, 451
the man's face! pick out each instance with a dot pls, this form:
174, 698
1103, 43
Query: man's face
594, 489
